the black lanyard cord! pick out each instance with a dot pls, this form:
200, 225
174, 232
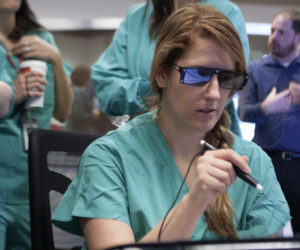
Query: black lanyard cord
178, 193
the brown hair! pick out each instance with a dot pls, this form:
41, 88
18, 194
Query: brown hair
176, 35
294, 15
25, 21
162, 10
81, 76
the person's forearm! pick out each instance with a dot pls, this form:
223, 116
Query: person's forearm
119, 95
63, 92
179, 224
5, 98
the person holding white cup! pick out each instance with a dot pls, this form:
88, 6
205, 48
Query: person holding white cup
22, 38
40, 67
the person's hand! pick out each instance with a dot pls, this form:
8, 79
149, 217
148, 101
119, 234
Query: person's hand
35, 47
294, 88
276, 102
29, 84
215, 174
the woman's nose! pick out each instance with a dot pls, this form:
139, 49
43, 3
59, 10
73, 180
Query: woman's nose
213, 87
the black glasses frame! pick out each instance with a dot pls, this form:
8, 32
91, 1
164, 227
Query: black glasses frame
239, 79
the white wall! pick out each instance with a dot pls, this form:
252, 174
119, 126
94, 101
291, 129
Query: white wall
82, 9
82, 41
253, 10
264, 10
82, 47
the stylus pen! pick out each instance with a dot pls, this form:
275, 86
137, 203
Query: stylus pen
244, 176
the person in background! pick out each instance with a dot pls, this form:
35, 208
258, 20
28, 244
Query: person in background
21, 38
121, 74
86, 114
6, 89
150, 180
272, 103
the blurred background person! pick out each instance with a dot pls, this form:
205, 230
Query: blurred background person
22, 37
121, 74
87, 116
272, 102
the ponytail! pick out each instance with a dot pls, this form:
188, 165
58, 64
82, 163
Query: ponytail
220, 214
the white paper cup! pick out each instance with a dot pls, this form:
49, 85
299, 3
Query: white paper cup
38, 66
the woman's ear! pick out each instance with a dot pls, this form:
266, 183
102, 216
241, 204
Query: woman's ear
161, 77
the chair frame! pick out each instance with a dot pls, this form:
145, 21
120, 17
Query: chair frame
42, 180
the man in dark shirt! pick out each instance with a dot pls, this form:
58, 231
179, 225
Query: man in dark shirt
272, 102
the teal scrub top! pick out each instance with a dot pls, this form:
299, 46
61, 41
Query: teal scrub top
13, 158
5, 78
121, 74
130, 175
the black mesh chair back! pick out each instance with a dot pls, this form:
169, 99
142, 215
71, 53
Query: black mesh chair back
53, 160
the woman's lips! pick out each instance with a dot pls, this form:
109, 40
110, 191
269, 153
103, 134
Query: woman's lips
206, 110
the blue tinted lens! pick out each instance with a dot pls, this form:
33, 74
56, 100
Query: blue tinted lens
197, 76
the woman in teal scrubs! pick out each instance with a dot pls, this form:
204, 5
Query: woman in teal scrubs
22, 38
121, 74
151, 180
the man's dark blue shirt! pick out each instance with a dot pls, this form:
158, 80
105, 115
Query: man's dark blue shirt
276, 131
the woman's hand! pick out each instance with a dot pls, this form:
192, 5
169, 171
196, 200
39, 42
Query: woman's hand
276, 103
294, 89
29, 84
35, 47
215, 174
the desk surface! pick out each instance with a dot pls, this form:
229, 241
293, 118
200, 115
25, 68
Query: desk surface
263, 244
